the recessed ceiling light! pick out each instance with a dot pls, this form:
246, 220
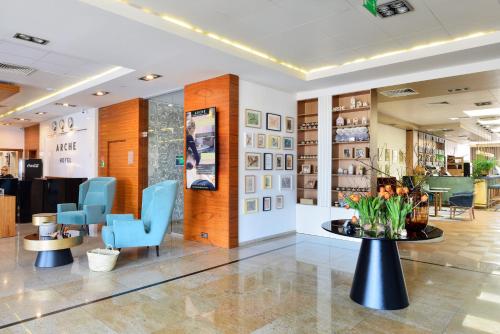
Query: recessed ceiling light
29, 38
453, 118
483, 112
394, 8
22, 119
66, 105
482, 104
150, 77
6, 124
41, 113
100, 93
170, 104
497, 129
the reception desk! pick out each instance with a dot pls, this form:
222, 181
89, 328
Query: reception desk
41, 195
7, 216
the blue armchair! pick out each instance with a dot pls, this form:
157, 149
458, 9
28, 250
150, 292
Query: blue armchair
464, 200
95, 200
123, 230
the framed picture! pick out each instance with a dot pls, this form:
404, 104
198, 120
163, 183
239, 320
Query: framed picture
252, 161
253, 118
268, 161
387, 155
289, 161
266, 204
289, 124
261, 140
387, 170
273, 122
395, 156
401, 157
306, 169
279, 202
267, 182
286, 182
347, 153
249, 140
201, 149
273, 142
250, 182
251, 205
288, 143
279, 161
311, 184
359, 153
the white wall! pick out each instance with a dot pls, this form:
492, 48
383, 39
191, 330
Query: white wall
264, 224
457, 150
390, 137
67, 162
11, 137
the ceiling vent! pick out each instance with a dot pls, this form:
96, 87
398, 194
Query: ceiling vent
399, 92
482, 104
439, 103
16, 69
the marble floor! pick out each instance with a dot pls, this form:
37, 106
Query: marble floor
292, 284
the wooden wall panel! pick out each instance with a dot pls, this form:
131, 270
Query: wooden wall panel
32, 141
120, 132
216, 212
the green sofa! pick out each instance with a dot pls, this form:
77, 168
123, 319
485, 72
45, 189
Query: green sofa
457, 184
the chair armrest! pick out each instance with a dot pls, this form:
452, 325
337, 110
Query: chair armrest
93, 213
110, 218
128, 231
63, 207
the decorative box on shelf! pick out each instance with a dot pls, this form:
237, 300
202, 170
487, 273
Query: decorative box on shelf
307, 201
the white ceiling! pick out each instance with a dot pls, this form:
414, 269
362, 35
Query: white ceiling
426, 111
85, 39
316, 33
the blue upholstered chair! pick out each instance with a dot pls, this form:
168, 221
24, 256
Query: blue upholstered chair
122, 230
462, 200
95, 200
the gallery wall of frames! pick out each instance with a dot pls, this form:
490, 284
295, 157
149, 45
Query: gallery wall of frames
268, 157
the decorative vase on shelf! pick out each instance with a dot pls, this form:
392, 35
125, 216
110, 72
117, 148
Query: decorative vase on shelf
340, 121
353, 103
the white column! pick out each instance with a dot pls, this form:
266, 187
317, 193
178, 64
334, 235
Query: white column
324, 151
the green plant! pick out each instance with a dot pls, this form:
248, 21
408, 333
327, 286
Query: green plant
482, 165
398, 207
369, 208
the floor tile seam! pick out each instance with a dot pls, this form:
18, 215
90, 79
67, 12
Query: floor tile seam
451, 267
80, 305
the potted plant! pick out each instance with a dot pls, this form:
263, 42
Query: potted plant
385, 213
482, 165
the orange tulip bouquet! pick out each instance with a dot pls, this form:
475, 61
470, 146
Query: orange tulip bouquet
385, 213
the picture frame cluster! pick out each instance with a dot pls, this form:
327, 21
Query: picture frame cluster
267, 161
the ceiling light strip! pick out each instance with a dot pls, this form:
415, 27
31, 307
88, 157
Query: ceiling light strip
186, 25
222, 39
62, 90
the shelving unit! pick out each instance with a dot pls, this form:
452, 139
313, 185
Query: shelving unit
430, 150
346, 154
455, 165
307, 145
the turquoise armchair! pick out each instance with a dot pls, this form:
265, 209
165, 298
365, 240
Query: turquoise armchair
158, 202
95, 200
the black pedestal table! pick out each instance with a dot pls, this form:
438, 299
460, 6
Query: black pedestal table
379, 281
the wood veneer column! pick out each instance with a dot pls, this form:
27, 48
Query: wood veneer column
123, 151
216, 212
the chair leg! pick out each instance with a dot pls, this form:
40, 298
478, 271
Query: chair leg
157, 250
473, 213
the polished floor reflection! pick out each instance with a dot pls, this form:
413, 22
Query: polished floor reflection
294, 284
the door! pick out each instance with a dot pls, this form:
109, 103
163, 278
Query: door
118, 168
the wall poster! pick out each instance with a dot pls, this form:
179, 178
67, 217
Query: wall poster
201, 149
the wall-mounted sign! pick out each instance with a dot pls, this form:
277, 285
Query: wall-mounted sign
179, 160
371, 5
201, 139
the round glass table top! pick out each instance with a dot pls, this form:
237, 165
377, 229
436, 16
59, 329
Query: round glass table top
337, 227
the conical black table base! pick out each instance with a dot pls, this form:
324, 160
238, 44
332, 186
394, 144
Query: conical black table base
379, 282
54, 258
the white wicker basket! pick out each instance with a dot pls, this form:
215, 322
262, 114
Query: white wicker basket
102, 259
